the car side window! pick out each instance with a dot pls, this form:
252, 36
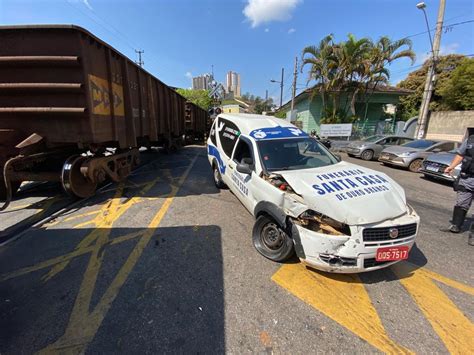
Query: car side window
243, 153
213, 133
391, 141
228, 134
382, 142
403, 141
445, 147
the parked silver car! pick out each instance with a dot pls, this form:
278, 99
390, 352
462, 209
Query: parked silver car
370, 148
435, 164
411, 154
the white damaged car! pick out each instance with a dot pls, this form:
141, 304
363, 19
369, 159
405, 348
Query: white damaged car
336, 216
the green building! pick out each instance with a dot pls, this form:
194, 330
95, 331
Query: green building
379, 110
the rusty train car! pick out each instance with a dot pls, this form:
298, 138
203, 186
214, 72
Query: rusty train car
75, 110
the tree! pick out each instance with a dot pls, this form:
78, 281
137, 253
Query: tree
415, 81
350, 69
198, 97
457, 92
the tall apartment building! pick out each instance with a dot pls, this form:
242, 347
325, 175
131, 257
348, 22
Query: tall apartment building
233, 83
202, 82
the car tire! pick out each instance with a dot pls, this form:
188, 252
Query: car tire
415, 165
271, 240
367, 155
217, 177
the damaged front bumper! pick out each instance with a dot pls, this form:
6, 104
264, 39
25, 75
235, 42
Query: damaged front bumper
355, 253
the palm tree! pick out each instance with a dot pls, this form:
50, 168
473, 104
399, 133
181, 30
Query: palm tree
353, 67
383, 53
321, 61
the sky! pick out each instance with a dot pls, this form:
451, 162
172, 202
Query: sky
256, 38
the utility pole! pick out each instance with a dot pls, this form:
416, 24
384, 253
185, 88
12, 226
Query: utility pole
295, 77
430, 77
266, 100
140, 62
281, 86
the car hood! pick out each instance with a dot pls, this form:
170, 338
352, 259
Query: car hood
442, 158
398, 149
348, 193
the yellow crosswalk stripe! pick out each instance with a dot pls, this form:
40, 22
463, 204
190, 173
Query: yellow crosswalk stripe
343, 298
451, 325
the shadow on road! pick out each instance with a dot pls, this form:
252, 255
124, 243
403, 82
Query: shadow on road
163, 294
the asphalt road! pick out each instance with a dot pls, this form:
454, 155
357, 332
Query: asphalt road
165, 263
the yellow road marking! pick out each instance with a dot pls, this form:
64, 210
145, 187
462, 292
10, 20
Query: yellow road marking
66, 257
451, 325
343, 298
454, 284
106, 216
83, 325
72, 218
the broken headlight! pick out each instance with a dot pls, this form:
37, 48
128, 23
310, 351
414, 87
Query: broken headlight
320, 223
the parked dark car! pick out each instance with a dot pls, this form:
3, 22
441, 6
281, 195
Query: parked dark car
435, 164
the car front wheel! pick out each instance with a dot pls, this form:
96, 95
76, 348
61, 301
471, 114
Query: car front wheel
367, 154
415, 165
271, 240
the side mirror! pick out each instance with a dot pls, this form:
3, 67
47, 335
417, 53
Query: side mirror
244, 168
337, 156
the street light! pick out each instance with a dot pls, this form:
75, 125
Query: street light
422, 6
281, 85
430, 77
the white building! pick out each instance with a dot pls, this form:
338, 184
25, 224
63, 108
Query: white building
233, 83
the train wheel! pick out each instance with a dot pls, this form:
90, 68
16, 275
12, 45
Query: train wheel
74, 183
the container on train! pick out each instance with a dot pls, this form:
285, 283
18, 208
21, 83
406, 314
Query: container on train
75, 110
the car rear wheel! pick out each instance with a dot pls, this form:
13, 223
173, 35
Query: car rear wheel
217, 178
271, 240
415, 165
367, 154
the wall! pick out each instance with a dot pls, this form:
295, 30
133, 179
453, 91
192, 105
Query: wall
449, 125
232, 109
309, 111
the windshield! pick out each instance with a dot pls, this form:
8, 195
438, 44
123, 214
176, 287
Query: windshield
419, 144
294, 154
372, 138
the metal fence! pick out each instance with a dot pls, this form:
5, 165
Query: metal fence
366, 129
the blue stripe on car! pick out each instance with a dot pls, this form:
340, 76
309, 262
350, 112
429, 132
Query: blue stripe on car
277, 132
212, 150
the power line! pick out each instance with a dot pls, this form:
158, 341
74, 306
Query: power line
123, 40
444, 27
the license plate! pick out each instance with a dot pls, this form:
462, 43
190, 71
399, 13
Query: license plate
392, 253
432, 168
384, 156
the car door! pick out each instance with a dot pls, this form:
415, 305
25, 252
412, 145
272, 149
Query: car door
227, 134
241, 183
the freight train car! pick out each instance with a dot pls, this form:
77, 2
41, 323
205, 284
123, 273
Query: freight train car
75, 110
196, 118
